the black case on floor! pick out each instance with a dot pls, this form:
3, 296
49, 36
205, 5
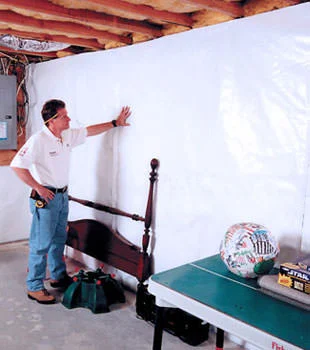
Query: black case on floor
187, 327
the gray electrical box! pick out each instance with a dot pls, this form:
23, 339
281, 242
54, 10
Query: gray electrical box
8, 125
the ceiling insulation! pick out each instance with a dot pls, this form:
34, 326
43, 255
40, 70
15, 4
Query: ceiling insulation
84, 26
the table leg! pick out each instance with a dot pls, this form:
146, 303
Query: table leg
159, 325
219, 339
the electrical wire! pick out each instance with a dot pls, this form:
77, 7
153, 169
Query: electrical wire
19, 86
6, 55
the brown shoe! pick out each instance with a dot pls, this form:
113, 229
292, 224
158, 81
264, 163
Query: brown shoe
41, 296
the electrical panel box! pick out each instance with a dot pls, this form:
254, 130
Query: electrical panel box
8, 122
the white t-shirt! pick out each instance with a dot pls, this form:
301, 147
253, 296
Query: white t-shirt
48, 157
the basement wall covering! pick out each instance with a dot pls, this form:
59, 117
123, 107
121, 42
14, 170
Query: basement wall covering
224, 108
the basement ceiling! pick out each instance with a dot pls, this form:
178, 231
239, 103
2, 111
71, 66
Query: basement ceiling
86, 26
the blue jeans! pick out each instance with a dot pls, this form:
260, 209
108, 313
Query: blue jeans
47, 241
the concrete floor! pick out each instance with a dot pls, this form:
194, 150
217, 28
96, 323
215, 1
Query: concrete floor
27, 325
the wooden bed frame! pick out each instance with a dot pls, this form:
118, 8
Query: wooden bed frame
101, 242
96, 239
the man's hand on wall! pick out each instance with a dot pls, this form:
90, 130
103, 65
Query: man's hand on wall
122, 118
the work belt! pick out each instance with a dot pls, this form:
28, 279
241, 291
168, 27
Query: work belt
41, 202
58, 190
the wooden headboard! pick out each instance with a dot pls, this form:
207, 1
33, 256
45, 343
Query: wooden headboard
96, 239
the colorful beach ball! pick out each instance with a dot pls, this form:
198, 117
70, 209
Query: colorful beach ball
249, 250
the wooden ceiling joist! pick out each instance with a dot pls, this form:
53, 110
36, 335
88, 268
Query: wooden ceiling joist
86, 17
103, 24
8, 17
90, 43
147, 12
232, 9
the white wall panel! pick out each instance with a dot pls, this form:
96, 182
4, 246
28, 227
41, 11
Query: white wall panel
226, 111
15, 217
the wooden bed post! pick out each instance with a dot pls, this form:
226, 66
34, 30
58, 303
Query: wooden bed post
144, 299
144, 266
149, 208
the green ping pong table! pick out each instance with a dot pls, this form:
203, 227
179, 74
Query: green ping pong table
207, 290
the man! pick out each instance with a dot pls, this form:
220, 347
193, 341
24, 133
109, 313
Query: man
47, 153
